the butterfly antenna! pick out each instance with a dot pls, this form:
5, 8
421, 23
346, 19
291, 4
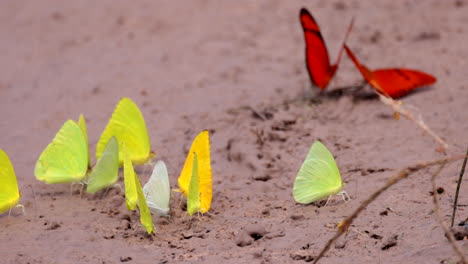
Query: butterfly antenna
348, 31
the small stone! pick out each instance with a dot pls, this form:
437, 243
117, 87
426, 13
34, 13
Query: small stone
126, 217
341, 243
390, 242
297, 217
116, 201
263, 177
53, 225
258, 253
125, 259
243, 239
124, 225
460, 232
302, 255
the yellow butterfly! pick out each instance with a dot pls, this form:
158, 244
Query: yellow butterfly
193, 197
106, 171
128, 126
9, 192
145, 214
65, 159
200, 146
82, 125
131, 196
134, 194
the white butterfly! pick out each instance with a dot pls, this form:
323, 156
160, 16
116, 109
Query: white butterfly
157, 190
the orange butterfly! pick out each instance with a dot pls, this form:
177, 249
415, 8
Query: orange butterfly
394, 83
317, 60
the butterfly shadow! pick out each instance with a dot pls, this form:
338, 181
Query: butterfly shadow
356, 92
421, 89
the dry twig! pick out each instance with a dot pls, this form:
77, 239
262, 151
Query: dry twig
402, 174
398, 108
442, 224
460, 178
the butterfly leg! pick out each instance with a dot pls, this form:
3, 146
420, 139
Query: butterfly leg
22, 208
81, 189
345, 196
117, 186
199, 217
18, 205
328, 200
104, 193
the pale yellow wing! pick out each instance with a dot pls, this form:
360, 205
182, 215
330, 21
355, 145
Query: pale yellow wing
82, 125
65, 159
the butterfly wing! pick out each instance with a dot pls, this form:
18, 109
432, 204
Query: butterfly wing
157, 189
106, 170
128, 126
131, 196
65, 159
399, 82
317, 60
82, 125
393, 83
145, 214
200, 145
318, 176
9, 192
193, 197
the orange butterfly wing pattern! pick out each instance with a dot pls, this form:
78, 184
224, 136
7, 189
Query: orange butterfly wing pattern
399, 82
394, 83
317, 60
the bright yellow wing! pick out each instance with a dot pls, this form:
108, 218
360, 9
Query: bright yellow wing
131, 196
9, 192
201, 145
82, 125
65, 159
128, 126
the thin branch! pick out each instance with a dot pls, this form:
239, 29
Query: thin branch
442, 224
398, 108
460, 178
402, 174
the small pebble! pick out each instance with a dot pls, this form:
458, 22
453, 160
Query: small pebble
243, 239
116, 201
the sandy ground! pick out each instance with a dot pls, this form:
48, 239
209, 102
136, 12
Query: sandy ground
205, 65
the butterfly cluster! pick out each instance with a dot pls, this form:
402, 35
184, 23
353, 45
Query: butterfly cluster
392, 82
123, 143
